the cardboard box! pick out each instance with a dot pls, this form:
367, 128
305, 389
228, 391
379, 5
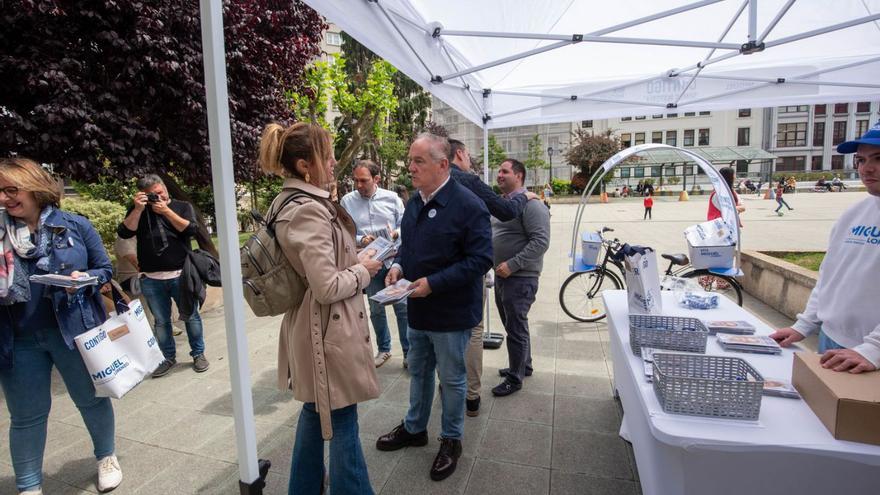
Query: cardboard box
847, 404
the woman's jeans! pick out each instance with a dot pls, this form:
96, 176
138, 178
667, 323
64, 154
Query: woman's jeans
827, 344
28, 397
159, 294
348, 469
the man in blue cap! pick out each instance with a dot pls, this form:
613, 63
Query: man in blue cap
843, 306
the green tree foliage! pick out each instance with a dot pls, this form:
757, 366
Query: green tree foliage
534, 160
496, 154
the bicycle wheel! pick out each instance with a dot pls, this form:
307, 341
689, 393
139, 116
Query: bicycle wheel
721, 284
581, 294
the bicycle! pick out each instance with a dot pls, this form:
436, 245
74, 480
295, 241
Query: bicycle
581, 294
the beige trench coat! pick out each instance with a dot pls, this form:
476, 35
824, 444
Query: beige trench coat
324, 351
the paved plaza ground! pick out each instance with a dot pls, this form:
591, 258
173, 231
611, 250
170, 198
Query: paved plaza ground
557, 436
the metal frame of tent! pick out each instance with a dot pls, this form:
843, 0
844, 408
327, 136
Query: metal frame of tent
250, 470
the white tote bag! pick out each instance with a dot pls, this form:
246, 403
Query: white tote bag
120, 353
642, 281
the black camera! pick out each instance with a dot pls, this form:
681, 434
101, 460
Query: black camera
152, 198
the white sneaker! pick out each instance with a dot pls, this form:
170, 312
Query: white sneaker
381, 357
38, 491
109, 473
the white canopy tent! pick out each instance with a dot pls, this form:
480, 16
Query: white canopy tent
504, 63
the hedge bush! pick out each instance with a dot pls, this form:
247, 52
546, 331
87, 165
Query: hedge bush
104, 215
561, 187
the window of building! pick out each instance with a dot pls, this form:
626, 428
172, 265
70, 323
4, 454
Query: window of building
816, 163
688, 137
703, 137
861, 128
705, 113
657, 137
624, 173
505, 143
789, 135
671, 115
819, 134
626, 140
333, 39
625, 119
836, 162
587, 124
794, 109
742, 167
689, 114
742, 136
819, 109
672, 138
863, 107
657, 116
745, 112
841, 107
640, 138
656, 171
639, 171
839, 134
791, 164
640, 117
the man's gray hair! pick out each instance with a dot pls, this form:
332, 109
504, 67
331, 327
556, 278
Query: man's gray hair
439, 145
149, 181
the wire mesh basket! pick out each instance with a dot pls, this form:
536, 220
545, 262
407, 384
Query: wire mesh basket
713, 386
674, 333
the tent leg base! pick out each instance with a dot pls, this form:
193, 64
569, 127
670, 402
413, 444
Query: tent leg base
492, 340
256, 487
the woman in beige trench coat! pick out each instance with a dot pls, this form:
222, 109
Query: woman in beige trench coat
324, 347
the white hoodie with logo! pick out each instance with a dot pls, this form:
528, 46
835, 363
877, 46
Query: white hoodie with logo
845, 304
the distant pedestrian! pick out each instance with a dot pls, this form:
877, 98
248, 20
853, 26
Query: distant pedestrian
649, 203
780, 188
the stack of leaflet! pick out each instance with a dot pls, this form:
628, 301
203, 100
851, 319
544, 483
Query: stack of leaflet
381, 249
393, 293
758, 344
736, 327
780, 388
64, 280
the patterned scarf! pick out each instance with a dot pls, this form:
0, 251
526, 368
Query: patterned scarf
15, 246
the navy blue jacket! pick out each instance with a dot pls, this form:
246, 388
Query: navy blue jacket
75, 246
499, 207
449, 241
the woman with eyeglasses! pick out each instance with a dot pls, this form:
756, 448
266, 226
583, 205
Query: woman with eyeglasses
39, 322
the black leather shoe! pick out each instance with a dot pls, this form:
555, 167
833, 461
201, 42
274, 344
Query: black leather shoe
446, 460
399, 438
505, 388
473, 407
505, 371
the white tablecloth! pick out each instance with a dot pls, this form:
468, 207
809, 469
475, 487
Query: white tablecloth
788, 450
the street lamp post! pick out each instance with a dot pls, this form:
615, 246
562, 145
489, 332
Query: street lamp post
550, 151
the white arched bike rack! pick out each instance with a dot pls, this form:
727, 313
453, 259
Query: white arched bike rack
722, 192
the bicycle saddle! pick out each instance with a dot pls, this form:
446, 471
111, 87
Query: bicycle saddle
677, 259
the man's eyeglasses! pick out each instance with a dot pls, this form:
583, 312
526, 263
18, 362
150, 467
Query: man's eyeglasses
10, 191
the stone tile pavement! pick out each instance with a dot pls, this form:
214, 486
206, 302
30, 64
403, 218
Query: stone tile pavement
557, 436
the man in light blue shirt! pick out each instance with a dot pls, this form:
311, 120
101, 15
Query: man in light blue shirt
376, 213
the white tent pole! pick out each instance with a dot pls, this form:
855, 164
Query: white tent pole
774, 80
816, 32
404, 38
486, 96
466, 86
214, 55
653, 17
706, 63
801, 76
753, 20
775, 20
711, 52
505, 60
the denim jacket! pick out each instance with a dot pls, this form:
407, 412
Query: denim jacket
75, 246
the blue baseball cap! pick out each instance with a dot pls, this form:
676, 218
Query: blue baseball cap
871, 137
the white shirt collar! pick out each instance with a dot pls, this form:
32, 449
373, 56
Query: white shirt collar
431, 196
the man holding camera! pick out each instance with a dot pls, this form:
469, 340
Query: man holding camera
164, 228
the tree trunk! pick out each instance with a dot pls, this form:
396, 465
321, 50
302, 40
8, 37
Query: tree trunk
202, 236
360, 132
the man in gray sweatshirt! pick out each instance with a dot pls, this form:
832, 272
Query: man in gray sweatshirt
518, 247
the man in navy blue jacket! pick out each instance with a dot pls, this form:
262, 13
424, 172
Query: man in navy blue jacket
446, 247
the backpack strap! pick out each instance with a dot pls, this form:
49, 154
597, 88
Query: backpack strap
294, 197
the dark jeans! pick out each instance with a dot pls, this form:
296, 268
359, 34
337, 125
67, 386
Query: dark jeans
780, 201
647, 213
159, 294
514, 297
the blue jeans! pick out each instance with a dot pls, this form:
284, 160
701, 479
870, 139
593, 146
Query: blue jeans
159, 294
826, 344
380, 321
348, 469
780, 202
443, 351
28, 397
